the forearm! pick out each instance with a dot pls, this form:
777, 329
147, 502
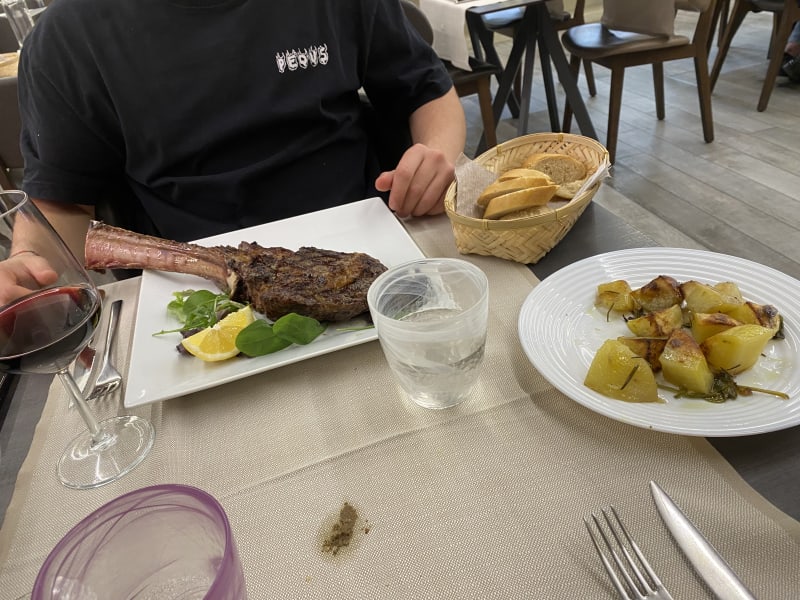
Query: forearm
440, 124
71, 221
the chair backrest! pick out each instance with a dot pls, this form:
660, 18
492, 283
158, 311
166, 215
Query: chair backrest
10, 127
8, 41
652, 17
418, 19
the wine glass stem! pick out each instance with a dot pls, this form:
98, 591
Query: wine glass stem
81, 404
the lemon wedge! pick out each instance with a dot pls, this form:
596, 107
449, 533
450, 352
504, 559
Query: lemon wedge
219, 342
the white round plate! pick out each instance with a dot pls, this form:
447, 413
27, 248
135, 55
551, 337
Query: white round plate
560, 330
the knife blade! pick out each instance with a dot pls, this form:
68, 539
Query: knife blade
705, 559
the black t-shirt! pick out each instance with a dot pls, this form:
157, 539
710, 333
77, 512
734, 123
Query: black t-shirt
213, 115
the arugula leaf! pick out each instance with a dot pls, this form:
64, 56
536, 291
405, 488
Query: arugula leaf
260, 338
199, 309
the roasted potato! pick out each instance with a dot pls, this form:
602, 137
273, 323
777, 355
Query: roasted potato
649, 348
765, 315
616, 371
615, 295
704, 325
736, 349
684, 364
731, 290
659, 293
704, 298
659, 323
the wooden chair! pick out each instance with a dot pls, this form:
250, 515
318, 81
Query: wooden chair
618, 50
466, 83
8, 41
785, 13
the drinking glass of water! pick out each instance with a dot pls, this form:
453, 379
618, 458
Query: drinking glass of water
431, 317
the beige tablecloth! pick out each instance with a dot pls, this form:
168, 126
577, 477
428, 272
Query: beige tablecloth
485, 500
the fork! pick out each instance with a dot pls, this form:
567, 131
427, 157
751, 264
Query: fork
638, 587
109, 378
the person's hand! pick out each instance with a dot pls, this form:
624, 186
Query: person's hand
418, 183
23, 273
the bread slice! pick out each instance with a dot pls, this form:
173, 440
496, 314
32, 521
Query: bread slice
561, 168
567, 191
514, 201
498, 188
520, 172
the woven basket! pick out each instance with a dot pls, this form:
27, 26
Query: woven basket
526, 239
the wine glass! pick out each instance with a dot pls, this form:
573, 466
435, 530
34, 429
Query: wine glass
49, 307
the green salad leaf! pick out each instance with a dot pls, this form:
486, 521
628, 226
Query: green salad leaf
260, 338
198, 309
297, 329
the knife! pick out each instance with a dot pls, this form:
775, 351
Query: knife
711, 567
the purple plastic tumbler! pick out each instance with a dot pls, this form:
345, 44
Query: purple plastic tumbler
165, 542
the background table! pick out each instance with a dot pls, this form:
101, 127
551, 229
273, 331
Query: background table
536, 27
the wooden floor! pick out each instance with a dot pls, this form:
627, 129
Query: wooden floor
739, 195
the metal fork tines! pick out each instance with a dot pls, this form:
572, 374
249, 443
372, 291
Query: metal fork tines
109, 378
634, 583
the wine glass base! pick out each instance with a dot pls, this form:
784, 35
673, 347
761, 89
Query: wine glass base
124, 442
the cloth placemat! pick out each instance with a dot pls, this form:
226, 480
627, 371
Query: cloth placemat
484, 500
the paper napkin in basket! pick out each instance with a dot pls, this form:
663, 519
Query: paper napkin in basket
471, 179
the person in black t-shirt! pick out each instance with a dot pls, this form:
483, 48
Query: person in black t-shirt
197, 117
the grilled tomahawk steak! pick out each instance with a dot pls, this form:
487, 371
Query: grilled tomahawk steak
323, 284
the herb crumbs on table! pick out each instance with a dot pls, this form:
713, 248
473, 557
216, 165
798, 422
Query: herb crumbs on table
342, 531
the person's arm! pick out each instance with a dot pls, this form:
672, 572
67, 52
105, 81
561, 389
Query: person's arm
26, 269
421, 178
71, 221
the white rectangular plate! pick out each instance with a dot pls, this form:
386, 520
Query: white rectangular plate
157, 372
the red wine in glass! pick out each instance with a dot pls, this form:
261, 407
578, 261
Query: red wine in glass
44, 331
49, 311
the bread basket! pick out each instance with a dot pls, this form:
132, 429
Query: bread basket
526, 239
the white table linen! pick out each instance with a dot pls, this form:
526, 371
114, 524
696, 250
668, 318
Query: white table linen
450, 35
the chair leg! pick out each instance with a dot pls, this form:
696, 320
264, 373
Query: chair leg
740, 9
587, 67
485, 103
658, 88
776, 23
574, 66
720, 22
787, 19
704, 94
614, 106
